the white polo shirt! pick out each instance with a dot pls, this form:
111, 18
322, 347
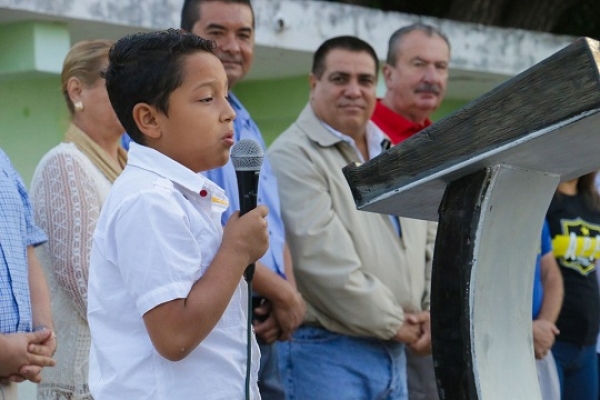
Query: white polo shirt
157, 233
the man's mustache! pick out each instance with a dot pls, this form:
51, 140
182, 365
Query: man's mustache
429, 88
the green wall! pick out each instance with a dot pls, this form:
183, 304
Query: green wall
33, 114
274, 104
33, 117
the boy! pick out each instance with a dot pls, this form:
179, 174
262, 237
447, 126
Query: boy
165, 302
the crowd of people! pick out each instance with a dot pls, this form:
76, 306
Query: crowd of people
138, 291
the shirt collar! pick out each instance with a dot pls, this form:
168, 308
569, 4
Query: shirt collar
395, 125
375, 139
154, 161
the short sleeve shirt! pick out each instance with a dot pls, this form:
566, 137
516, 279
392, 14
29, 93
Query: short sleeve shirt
17, 232
157, 234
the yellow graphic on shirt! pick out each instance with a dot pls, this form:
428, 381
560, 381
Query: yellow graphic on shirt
220, 201
578, 247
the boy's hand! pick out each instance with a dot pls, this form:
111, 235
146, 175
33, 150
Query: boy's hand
46, 347
247, 235
18, 362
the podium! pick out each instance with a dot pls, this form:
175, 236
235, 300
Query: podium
488, 173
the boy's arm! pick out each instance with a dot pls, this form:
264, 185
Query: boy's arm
40, 303
177, 327
25, 354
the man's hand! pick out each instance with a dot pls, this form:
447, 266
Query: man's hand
267, 328
283, 304
289, 312
410, 331
282, 317
544, 334
24, 354
422, 346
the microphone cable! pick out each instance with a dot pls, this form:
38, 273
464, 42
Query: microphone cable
248, 278
249, 337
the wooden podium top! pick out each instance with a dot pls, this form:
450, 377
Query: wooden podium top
545, 119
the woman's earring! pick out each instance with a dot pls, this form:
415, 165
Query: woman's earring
78, 106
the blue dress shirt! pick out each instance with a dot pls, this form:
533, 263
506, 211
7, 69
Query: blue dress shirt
17, 232
245, 128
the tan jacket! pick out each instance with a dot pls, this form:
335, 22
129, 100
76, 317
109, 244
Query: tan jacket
356, 275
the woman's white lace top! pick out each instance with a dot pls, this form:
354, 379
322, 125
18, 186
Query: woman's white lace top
67, 192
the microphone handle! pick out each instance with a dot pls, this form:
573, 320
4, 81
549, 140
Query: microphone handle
248, 191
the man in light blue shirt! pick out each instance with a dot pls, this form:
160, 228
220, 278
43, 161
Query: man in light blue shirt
24, 294
231, 25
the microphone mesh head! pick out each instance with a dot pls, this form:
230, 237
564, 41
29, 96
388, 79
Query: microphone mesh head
247, 155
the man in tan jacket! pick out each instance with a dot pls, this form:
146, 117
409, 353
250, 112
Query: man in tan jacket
365, 277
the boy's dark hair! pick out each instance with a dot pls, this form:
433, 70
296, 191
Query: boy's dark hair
397, 37
350, 43
190, 12
147, 68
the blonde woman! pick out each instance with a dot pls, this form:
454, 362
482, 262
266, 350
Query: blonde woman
68, 189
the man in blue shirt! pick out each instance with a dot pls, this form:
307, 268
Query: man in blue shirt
230, 23
27, 341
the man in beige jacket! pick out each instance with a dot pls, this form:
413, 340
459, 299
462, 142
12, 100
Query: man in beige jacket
365, 277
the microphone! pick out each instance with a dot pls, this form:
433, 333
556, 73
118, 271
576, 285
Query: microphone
247, 158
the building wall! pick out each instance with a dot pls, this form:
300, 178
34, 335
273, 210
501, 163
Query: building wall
33, 117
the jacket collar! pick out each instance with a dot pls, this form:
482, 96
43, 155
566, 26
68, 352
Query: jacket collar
314, 128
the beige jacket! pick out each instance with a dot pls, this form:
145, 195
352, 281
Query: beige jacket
356, 275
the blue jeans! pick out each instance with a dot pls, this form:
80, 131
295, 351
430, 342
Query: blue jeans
577, 369
269, 381
321, 365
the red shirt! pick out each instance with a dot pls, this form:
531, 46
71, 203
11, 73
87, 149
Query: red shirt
394, 125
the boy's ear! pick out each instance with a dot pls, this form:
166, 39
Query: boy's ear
145, 116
